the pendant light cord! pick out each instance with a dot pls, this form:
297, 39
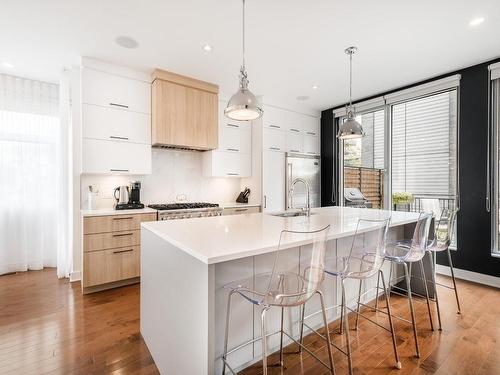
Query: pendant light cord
350, 78
243, 34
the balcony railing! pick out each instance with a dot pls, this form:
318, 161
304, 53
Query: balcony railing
426, 202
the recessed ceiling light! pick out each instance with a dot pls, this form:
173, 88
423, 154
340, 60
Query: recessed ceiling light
126, 42
476, 21
207, 48
315, 87
7, 65
302, 97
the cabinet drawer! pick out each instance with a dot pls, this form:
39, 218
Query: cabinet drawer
101, 241
115, 124
115, 223
106, 266
113, 91
114, 157
294, 122
240, 210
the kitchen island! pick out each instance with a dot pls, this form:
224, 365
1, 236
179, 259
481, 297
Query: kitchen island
186, 263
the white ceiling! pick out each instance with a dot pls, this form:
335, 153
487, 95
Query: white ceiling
291, 44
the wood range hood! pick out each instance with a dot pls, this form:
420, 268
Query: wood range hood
184, 112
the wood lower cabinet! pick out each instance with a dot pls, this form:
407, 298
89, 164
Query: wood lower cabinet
184, 112
111, 250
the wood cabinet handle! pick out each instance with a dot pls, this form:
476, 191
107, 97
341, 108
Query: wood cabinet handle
122, 251
123, 218
123, 234
118, 105
119, 170
275, 126
116, 137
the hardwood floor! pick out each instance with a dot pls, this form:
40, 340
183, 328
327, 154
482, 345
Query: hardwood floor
48, 327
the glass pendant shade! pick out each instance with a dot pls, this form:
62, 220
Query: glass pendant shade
350, 129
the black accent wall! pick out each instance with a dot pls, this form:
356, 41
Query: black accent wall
474, 222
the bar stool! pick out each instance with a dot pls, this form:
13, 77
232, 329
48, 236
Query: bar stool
283, 287
405, 254
365, 259
443, 235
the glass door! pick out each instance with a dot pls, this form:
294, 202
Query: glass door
363, 159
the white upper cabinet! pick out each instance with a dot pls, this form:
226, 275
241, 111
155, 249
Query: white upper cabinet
294, 122
273, 181
274, 118
109, 157
114, 91
115, 124
311, 125
274, 140
294, 142
233, 157
311, 145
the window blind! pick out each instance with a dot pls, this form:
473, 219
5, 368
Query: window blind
423, 145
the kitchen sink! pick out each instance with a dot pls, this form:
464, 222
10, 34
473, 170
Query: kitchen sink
290, 213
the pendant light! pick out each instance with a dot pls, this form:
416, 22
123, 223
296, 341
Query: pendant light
243, 104
350, 129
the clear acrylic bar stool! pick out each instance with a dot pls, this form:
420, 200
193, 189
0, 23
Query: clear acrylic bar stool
284, 287
443, 234
405, 254
364, 261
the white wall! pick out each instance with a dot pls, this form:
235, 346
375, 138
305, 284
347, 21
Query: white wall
175, 173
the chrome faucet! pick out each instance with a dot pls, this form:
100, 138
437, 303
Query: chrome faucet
307, 209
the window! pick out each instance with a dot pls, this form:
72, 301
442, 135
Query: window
424, 147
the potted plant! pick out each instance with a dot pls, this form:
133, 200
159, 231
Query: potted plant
402, 200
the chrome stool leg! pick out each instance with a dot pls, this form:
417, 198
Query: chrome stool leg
327, 333
412, 311
453, 278
264, 340
341, 326
301, 340
424, 279
346, 322
359, 300
376, 293
281, 337
224, 356
433, 270
389, 312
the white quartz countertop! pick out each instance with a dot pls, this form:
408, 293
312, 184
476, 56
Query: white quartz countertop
238, 205
223, 238
112, 211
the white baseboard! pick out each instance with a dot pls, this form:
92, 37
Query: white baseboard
75, 276
470, 276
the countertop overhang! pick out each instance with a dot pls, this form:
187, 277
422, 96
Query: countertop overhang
224, 238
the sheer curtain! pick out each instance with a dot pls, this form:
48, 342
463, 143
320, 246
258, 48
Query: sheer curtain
33, 190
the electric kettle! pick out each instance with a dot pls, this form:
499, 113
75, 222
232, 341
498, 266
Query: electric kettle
123, 194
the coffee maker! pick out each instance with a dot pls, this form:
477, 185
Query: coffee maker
134, 197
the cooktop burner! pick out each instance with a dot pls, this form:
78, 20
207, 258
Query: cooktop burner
181, 206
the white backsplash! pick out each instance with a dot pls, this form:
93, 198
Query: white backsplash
174, 173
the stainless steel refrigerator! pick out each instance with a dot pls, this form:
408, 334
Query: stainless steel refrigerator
308, 168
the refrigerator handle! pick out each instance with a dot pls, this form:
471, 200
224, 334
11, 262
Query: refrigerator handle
289, 203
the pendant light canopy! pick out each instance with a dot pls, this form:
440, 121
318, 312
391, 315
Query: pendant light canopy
243, 104
350, 129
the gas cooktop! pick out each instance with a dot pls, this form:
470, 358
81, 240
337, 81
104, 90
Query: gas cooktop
182, 206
